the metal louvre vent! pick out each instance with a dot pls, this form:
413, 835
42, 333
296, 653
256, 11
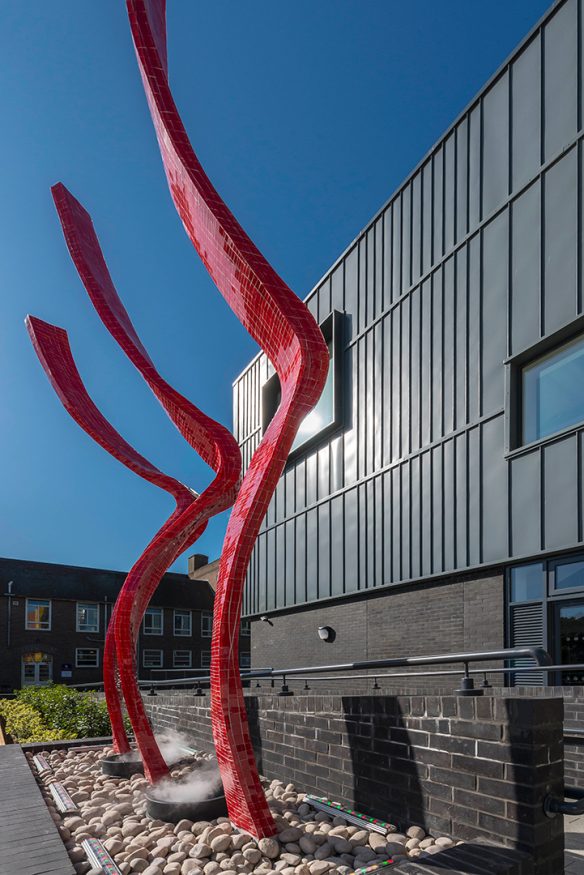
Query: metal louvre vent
526, 629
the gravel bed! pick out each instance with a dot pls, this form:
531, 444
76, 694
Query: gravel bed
308, 842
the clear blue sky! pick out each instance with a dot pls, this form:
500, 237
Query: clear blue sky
306, 115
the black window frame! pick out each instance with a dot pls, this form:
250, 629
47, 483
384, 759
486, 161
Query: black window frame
514, 367
332, 331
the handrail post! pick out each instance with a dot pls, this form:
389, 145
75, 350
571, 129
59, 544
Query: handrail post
285, 691
467, 687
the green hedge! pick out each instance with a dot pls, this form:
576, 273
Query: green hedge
53, 713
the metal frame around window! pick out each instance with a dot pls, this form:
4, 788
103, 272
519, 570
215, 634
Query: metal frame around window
332, 330
206, 615
177, 612
153, 612
514, 389
205, 653
36, 628
77, 624
152, 650
174, 656
95, 650
552, 590
245, 630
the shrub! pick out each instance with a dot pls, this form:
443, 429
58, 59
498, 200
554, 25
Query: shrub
68, 711
24, 723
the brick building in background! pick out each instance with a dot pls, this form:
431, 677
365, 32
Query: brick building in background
53, 621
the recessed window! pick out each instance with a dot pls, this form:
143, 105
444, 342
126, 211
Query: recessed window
87, 617
551, 391
152, 624
244, 660
205, 659
245, 628
527, 582
87, 657
152, 658
569, 575
325, 417
182, 623
206, 624
38, 615
182, 658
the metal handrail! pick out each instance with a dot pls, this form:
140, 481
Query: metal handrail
538, 654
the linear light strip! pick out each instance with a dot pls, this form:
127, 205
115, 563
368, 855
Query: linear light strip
356, 817
41, 764
374, 867
62, 799
99, 857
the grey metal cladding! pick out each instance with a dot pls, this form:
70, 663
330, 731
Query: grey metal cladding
477, 257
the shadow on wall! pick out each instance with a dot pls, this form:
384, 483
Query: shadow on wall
385, 776
252, 709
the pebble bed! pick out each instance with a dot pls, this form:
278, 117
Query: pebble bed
308, 842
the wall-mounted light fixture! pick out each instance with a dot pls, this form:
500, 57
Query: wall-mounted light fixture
265, 619
327, 633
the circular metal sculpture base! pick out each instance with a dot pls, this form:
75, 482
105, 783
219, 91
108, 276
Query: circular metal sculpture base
171, 811
122, 765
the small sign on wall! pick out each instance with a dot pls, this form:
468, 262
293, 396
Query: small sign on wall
66, 670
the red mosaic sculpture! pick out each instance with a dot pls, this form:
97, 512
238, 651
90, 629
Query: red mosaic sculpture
286, 331
51, 345
212, 441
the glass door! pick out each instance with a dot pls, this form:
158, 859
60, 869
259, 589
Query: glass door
570, 639
37, 669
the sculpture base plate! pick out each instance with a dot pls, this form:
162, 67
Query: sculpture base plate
171, 811
122, 765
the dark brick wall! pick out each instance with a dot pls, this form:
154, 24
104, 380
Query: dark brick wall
473, 768
439, 617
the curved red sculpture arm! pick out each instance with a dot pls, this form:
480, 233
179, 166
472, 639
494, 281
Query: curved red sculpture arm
286, 331
212, 441
52, 347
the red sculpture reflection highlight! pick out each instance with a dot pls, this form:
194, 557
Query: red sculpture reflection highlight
51, 345
213, 443
287, 332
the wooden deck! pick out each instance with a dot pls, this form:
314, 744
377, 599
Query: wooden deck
29, 840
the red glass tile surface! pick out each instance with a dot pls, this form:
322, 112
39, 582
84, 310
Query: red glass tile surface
212, 441
284, 328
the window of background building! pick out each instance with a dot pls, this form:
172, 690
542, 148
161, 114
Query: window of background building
152, 624
152, 658
206, 624
244, 660
182, 658
245, 628
182, 623
87, 617
551, 391
87, 657
205, 659
38, 615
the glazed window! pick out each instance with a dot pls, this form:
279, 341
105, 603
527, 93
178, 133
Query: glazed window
182, 624
245, 628
152, 658
87, 657
87, 617
244, 660
38, 615
182, 659
326, 416
206, 659
152, 624
551, 391
206, 624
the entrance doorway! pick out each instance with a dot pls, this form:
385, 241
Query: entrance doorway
37, 669
570, 639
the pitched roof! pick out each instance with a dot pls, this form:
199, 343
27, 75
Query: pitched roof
51, 580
